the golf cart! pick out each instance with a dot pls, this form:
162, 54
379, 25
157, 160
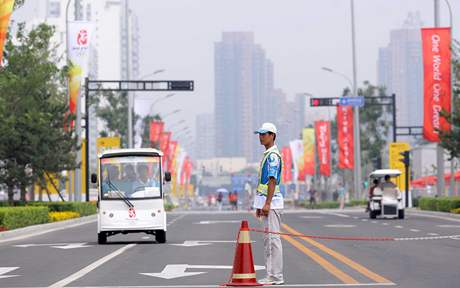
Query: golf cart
386, 199
130, 193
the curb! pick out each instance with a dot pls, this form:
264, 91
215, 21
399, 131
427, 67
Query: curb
40, 229
435, 213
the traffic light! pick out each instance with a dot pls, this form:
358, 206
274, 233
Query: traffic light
317, 102
406, 158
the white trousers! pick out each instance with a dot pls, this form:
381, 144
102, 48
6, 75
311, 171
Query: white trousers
272, 245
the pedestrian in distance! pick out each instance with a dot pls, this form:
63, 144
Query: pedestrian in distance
341, 196
312, 200
269, 203
220, 197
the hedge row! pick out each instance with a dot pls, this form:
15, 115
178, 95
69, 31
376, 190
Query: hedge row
17, 217
443, 204
60, 216
83, 208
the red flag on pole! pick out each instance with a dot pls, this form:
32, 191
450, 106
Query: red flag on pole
345, 137
437, 85
156, 127
323, 132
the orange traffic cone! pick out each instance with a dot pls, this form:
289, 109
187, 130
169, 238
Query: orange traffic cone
243, 273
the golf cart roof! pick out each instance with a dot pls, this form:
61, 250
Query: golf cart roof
131, 152
383, 172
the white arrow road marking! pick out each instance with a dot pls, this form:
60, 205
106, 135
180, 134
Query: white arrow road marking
173, 271
4, 270
336, 214
339, 226
398, 226
414, 230
57, 245
218, 222
201, 243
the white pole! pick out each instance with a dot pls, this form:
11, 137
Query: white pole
440, 185
356, 132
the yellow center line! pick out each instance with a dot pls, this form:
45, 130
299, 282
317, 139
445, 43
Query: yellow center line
342, 276
358, 267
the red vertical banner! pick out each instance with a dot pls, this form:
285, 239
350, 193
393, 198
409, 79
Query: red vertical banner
288, 165
437, 85
164, 144
345, 137
323, 140
308, 136
171, 154
156, 127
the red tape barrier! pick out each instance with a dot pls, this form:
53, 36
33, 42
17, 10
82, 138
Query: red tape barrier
326, 237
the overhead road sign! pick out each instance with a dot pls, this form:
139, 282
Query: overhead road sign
352, 101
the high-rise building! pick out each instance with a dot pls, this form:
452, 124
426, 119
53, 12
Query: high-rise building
400, 70
205, 135
233, 72
244, 98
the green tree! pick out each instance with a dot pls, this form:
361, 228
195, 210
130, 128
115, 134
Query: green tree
145, 128
374, 128
33, 109
450, 140
112, 108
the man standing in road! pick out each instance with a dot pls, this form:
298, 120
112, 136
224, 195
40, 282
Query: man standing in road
268, 203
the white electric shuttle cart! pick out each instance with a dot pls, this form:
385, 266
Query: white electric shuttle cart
130, 193
386, 201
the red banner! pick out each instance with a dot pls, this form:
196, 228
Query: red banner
345, 137
437, 85
287, 164
323, 140
164, 142
156, 127
171, 154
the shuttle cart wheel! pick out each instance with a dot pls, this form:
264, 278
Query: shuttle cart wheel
101, 238
401, 214
160, 236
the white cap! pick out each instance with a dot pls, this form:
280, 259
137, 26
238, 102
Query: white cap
266, 127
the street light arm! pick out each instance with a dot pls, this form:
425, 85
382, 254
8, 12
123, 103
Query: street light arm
339, 73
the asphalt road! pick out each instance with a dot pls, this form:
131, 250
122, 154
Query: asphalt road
200, 249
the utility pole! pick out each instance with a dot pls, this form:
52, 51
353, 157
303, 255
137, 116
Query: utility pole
127, 67
356, 132
439, 150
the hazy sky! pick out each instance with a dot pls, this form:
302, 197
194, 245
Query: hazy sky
300, 36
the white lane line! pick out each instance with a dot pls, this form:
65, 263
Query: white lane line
449, 226
399, 227
339, 226
374, 222
355, 217
214, 285
435, 216
364, 220
336, 214
433, 234
414, 230
311, 217
385, 224
176, 219
218, 221
90, 267
45, 230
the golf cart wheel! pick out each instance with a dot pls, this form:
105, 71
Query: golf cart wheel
160, 236
401, 214
372, 214
101, 238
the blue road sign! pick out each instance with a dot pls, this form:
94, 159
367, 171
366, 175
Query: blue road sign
352, 101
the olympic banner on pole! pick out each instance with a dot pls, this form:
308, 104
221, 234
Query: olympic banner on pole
78, 52
345, 137
6, 8
437, 84
308, 135
323, 136
297, 159
287, 164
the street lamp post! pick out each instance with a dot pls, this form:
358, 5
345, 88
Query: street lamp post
159, 100
356, 137
131, 102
